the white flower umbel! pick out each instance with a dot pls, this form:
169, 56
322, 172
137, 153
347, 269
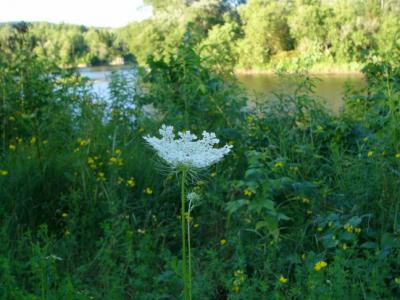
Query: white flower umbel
185, 154
187, 150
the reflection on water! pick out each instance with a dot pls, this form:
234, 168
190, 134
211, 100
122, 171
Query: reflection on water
99, 76
329, 88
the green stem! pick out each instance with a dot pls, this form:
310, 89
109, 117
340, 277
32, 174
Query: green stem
189, 255
183, 227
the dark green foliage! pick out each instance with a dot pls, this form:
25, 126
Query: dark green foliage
85, 212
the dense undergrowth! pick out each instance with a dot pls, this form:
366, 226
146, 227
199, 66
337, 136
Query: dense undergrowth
305, 207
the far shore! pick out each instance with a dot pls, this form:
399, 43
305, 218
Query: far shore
311, 72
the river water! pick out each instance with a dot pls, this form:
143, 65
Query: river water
328, 88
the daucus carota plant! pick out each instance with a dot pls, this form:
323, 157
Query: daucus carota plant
187, 154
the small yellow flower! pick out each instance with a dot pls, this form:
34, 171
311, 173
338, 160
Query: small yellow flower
64, 215
305, 200
33, 140
397, 155
320, 265
12, 147
148, 191
213, 174
279, 164
3, 172
131, 182
357, 230
248, 193
101, 176
344, 246
45, 142
370, 153
348, 228
19, 140
283, 279
117, 151
83, 142
141, 129
365, 139
320, 229
222, 242
90, 161
196, 225
113, 160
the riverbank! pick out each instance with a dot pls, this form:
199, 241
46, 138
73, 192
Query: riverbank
317, 69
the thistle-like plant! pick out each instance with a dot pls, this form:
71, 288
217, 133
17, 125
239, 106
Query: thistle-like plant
187, 154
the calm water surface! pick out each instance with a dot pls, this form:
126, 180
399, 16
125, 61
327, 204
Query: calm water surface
328, 88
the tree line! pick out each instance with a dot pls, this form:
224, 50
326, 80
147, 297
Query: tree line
245, 35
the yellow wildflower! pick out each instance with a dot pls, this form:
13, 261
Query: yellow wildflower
141, 129
370, 153
248, 193
397, 155
19, 140
3, 172
64, 215
357, 230
344, 246
365, 139
113, 160
283, 279
222, 242
148, 191
83, 142
320, 265
213, 174
305, 200
45, 142
131, 182
12, 147
348, 228
320, 229
117, 151
101, 176
33, 140
279, 164
196, 225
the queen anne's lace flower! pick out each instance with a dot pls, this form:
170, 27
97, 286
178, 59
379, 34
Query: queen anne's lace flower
187, 151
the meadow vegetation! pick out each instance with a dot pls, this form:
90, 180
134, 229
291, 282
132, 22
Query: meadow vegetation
305, 206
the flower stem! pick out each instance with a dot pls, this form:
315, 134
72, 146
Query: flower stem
183, 227
189, 254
